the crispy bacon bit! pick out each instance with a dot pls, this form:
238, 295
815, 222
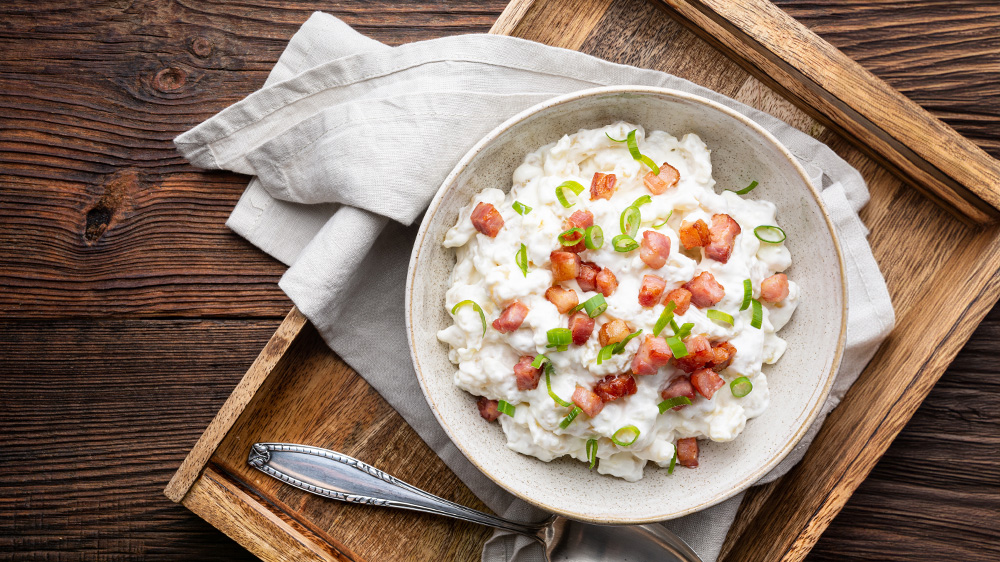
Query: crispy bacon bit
680, 386
602, 186
606, 282
564, 299
687, 452
653, 353
613, 332
699, 354
657, 184
774, 288
565, 266
706, 382
579, 219
527, 376
582, 326
651, 290
724, 353
654, 249
694, 234
612, 387
587, 278
722, 234
681, 298
488, 408
487, 219
590, 403
705, 290
511, 317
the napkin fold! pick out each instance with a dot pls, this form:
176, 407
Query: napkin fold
348, 141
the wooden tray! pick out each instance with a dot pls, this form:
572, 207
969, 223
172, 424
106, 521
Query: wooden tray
941, 268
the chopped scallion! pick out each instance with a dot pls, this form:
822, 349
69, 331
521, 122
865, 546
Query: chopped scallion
666, 317
671, 403
571, 237
720, 316
629, 430
592, 452
476, 307
769, 233
548, 386
633, 149
670, 214
595, 305
677, 347
594, 237
605, 353
620, 346
539, 361
506, 408
574, 186
741, 387
758, 314
673, 462
559, 338
521, 208
570, 417
746, 189
577, 307
747, 294
642, 201
684, 331
614, 139
624, 243
521, 257
629, 221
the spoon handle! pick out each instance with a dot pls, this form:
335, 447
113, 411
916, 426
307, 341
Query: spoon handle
340, 477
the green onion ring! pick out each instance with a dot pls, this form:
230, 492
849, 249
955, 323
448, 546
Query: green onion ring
764, 233
614, 139
741, 387
521, 257
595, 305
571, 185
624, 243
677, 347
570, 417
620, 346
559, 338
620, 443
633, 149
605, 353
506, 408
548, 386
592, 452
593, 237
629, 221
720, 316
475, 307
758, 314
747, 294
673, 462
672, 403
658, 226
571, 237
642, 201
666, 317
521, 208
746, 189
577, 308
540, 360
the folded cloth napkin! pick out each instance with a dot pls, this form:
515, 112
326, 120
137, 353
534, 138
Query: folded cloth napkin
348, 141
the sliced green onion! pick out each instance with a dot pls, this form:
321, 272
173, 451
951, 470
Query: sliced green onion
671, 403
684, 331
577, 308
521, 257
758, 314
642, 201
571, 185
559, 338
614, 139
720, 316
592, 452
628, 428
666, 317
746, 189
571, 237
605, 353
539, 361
769, 233
521, 208
629, 221
633, 149
673, 462
570, 417
506, 408
747, 294
741, 387
670, 214
674, 326
624, 243
620, 346
595, 305
475, 307
548, 386
677, 347
594, 237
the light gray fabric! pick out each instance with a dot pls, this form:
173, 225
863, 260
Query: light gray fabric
349, 140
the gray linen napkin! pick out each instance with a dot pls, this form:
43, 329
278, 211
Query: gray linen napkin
348, 141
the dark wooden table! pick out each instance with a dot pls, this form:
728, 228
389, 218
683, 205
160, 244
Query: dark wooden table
128, 311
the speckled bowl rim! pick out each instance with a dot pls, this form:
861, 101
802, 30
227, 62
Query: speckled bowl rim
449, 184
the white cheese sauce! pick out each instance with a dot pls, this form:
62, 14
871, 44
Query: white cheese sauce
486, 272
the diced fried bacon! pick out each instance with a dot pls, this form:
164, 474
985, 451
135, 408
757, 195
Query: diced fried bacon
613, 387
587, 278
590, 403
606, 282
526, 375
699, 354
579, 219
613, 332
724, 353
487, 219
488, 408
654, 249
687, 452
565, 266
722, 234
774, 288
511, 317
694, 234
582, 326
651, 290
653, 353
602, 186
564, 299
680, 386
657, 184
706, 382
705, 290
681, 298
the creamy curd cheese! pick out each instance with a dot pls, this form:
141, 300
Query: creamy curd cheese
486, 272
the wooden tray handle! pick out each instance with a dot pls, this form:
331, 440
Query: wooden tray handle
824, 82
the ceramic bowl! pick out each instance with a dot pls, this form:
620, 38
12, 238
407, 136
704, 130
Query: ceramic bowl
799, 382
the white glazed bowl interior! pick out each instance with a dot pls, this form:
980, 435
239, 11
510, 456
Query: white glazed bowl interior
798, 383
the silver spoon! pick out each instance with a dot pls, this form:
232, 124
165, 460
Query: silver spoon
340, 477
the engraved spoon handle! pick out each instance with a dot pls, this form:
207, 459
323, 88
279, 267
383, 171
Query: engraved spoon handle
340, 477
